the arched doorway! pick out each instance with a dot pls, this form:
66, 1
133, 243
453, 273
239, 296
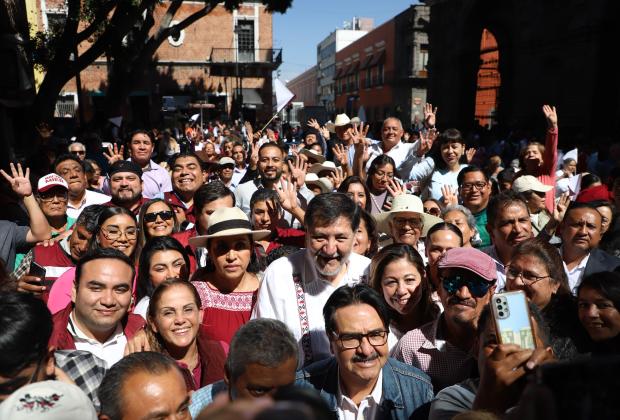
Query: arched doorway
488, 81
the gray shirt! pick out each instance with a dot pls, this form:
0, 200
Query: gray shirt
12, 237
453, 400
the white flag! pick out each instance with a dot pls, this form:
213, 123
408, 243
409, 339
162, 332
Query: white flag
283, 95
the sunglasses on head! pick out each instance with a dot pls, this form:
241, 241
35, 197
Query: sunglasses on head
477, 286
165, 215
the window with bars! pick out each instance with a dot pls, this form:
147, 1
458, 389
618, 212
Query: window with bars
245, 40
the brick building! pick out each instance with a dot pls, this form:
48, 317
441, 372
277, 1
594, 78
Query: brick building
304, 87
223, 58
489, 81
384, 72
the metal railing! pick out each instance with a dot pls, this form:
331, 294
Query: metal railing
257, 55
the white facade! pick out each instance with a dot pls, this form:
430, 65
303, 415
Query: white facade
326, 63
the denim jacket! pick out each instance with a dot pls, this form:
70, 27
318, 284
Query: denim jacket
405, 388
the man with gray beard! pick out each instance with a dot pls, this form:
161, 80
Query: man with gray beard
296, 287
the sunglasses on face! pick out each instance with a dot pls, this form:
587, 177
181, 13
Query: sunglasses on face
165, 215
477, 287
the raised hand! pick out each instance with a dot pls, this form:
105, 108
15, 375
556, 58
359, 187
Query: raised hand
341, 154
560, 208
114, 154
314, 124
253, 156
470, 153
298, 171
20, 182
427, 138
248, 130
449, 195
324, 132
359, 134
551, 115
287, 193
336, 177
430, 115
394, 188
271, 135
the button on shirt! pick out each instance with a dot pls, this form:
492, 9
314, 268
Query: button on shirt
277, 297
367, 410
576, 274
111, 351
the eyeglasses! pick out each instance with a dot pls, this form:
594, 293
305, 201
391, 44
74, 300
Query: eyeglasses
381, 174
165, 215
477, 286
434, 211
114, 233
78, 152
353, 341
403, 221
468, 186
527, 277
48, 196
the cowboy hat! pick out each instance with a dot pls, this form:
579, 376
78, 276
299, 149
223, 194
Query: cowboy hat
325, 166
341, 121
406, 203
228, 221
311, 154
323, 183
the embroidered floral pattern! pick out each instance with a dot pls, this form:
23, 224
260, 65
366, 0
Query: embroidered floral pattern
306, 343
38, 403
237, 301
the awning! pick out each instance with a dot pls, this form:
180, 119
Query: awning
366, 61
378, 57
353, 68
340, 72
252, 97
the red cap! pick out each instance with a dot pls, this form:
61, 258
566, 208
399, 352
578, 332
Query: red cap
470, 259
598, 193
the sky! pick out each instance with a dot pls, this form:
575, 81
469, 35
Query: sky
308, 22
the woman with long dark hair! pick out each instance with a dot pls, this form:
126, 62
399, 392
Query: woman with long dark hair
599, 311
157, 218
354, 187
397, 273
379, 179
161, 258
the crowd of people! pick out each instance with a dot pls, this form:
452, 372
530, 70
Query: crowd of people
232, 272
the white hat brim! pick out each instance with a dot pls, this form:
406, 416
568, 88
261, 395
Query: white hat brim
383, 220
201, 240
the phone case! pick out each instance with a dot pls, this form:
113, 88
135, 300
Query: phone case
512, 319
36, 270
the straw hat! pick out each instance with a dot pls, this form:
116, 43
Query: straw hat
228, 221
312, 155
323, 183
341, 120
406, 203
325, 166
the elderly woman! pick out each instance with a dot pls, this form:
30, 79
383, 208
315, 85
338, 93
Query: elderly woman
462, 218
533, 192
228, 284
536, 268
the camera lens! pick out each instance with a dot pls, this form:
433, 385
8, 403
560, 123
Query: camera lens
498, 300
499, 307
501, 314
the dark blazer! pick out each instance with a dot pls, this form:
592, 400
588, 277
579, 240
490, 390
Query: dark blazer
600, 261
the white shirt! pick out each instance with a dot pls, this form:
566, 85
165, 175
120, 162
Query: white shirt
111, 351
237, 175
90, 198
277, 297
142, 307
367, 410
404, 155
576, 274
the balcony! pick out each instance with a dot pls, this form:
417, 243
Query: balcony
259, 62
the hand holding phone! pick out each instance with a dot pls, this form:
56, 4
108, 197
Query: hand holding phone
512, 319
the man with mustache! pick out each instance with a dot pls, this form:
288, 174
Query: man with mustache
270, 162
126, 186
360, 381
442, 348
296, 287
508, 224
580, 231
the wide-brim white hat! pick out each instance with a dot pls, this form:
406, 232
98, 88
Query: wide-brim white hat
228, 221
341, 120
328, 165
311, 154
406, 203
323, 183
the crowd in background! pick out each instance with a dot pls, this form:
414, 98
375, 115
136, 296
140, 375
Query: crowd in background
217, 269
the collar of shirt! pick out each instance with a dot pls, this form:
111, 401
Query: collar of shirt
240, 171
311, 273
580, 266
369, 403
80, 336
434, 342
71, 206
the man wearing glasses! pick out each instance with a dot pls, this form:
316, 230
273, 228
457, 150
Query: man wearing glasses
360, 381
442, 348
474, 192
78, 149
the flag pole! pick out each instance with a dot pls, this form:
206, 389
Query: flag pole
268, 122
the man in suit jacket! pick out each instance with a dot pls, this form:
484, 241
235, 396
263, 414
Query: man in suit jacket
581, 234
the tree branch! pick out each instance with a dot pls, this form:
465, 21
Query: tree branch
100, 16
165, 32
